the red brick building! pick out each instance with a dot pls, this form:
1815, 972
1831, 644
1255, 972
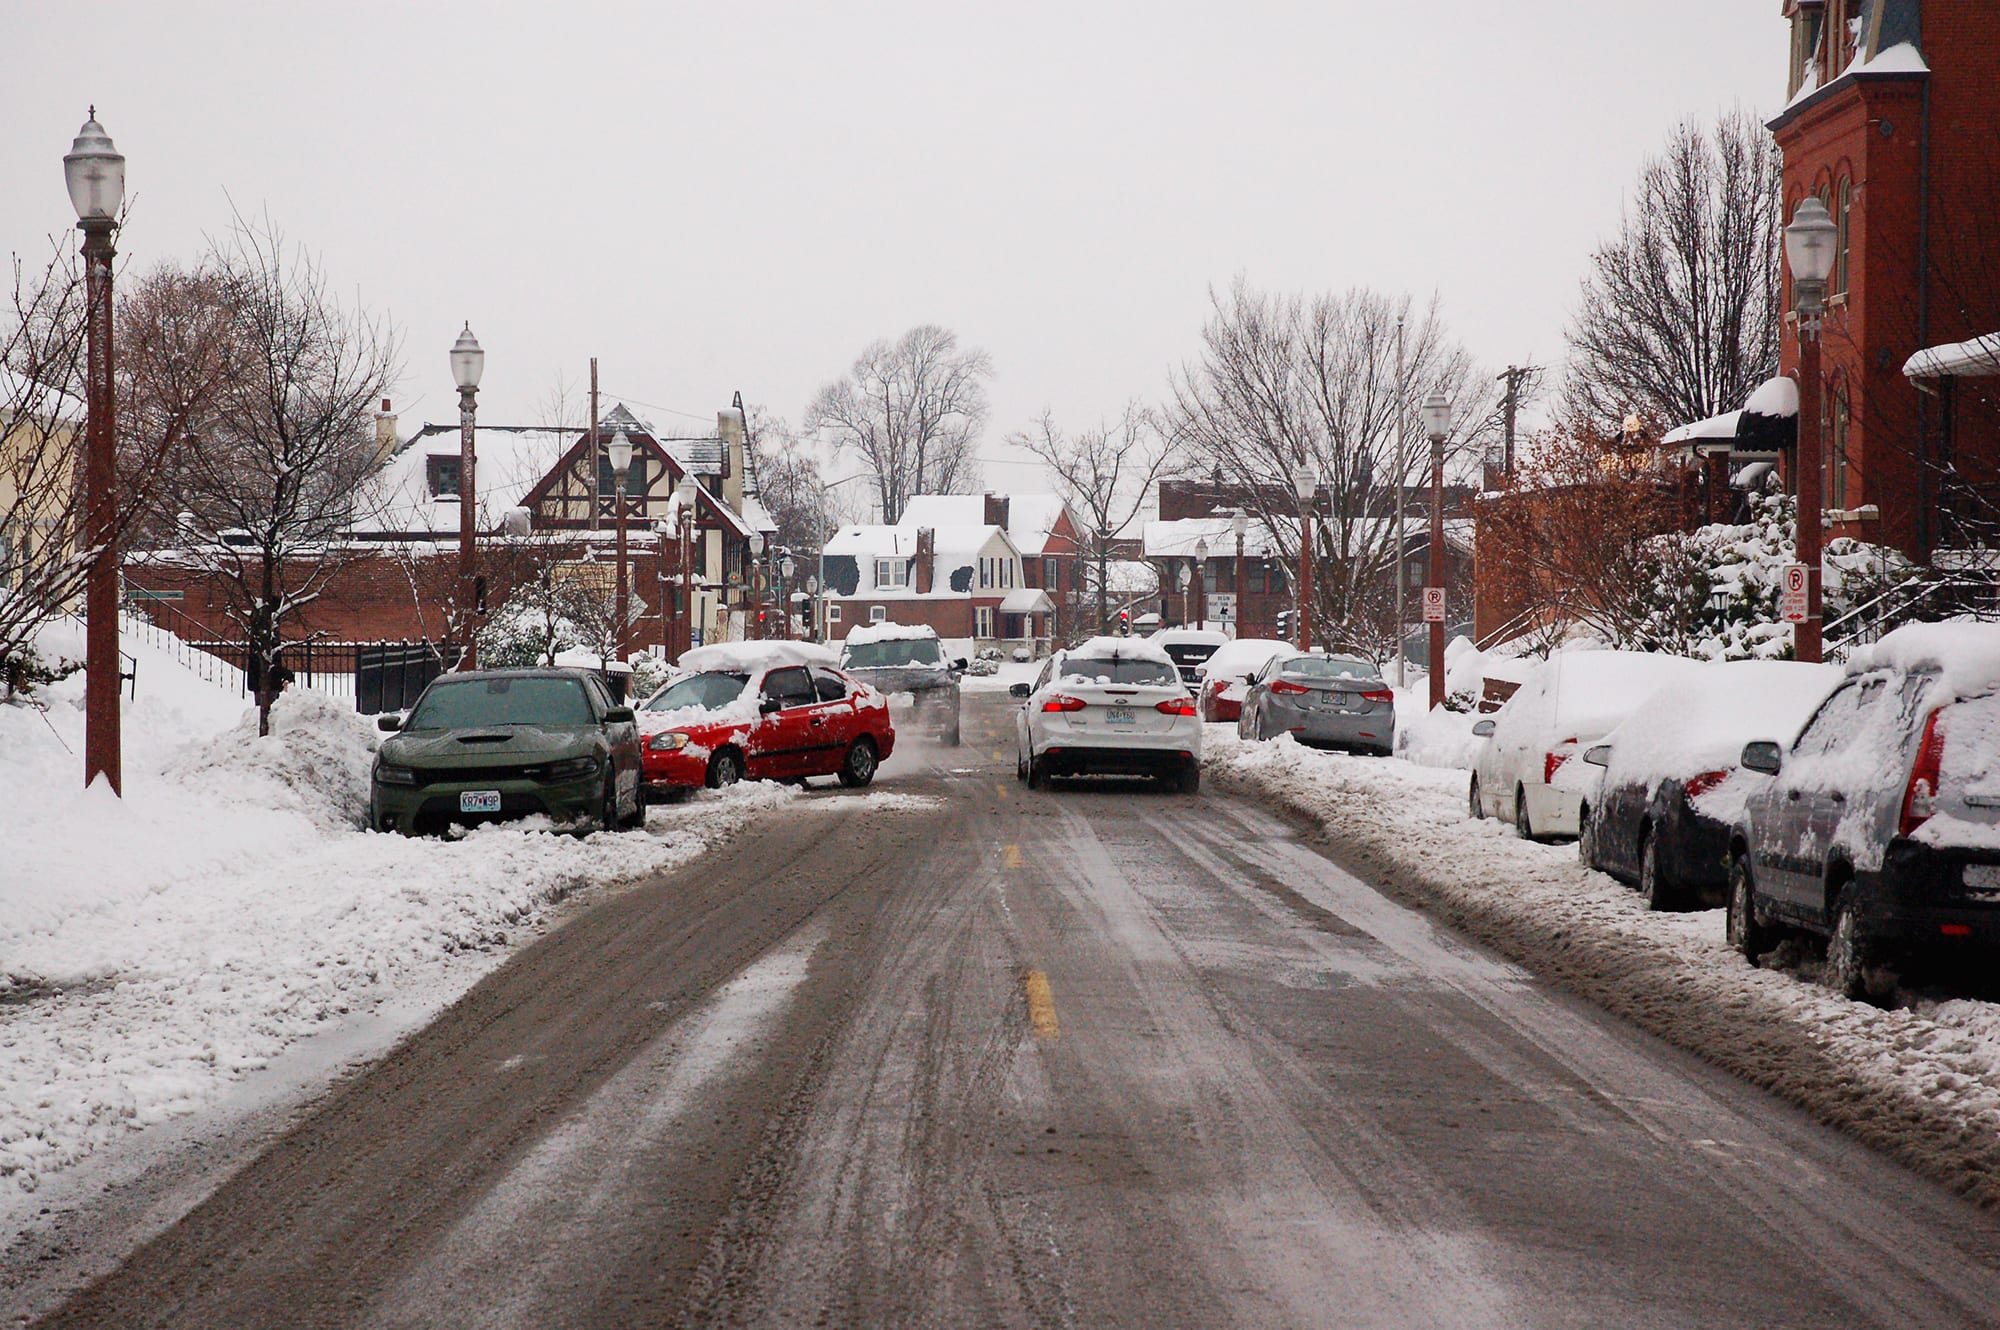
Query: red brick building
1894, 121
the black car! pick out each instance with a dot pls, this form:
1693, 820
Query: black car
1661, 815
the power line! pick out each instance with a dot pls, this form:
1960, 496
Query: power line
655, 406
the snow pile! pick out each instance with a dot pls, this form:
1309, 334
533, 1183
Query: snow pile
1967, 655
861, 634
1439, 738
155, 947
1123, 648
1921, 1081
1241, 657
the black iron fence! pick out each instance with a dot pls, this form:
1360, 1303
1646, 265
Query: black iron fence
375, 676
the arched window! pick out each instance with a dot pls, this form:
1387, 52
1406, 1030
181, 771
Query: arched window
1833, 484
1843, 215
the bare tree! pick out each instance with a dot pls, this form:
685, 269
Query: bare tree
1103, 474
912, 410
270, 476
1287, 388
43, 562
789, 482
1680, 317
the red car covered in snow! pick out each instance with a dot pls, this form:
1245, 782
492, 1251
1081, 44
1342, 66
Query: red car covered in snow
1225, 676
761, 711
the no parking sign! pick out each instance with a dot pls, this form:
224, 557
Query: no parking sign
1433, 604
1792, 603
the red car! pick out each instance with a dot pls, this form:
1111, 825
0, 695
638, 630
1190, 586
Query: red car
781, 718
1225, 676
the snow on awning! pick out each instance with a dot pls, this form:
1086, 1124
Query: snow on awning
1976, 359
1766, 426
1027, 600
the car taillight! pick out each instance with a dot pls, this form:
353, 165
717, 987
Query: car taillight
1176, 706
1063, 702
1696, 786
1378, 695
1920, 800
1551, 764
1285, 686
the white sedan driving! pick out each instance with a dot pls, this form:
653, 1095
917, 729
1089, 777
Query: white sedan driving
1111, 706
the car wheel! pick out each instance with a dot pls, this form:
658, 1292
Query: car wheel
1745, 933
858, 768
1849, 953
637, 820
1654, 886
950, 736
607, 807
1038, 772
1020, 766
1473, 808
1586, 837
1191, 778
725, 768
1522, 826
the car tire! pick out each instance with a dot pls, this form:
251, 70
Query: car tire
1038, 773
858, 767
1190, 782
607, 807
1655, 887
1745, 933
1586, 837
950, 737
1020, 766
725, 768
1523, 827
1850, 955
637, 821
1473, 808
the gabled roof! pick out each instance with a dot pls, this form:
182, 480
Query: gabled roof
509, 463
1030, 517
889, 542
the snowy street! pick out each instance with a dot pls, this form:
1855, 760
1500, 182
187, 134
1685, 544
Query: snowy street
955, 1052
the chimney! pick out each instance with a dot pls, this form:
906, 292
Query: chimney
386, 441
729, 428
926, 559
996, 510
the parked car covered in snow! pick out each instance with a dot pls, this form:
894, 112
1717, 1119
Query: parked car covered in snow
1320, 700
1672, 787
762, 711
900, 660
1188, 648
1564, 706
1225, 676
1110, 706
1880, 827
487, 745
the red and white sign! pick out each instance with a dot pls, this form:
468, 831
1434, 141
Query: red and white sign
1792, 604
1433, 604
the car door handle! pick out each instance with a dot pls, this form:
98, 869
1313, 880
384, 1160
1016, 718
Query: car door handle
1793, 795
1837, 796
819, 720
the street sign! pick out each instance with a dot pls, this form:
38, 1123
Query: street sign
1433, 604
1792, 602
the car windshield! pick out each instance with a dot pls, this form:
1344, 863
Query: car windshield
710, 691
461, 704
893, 652
1099, 669
1322, 667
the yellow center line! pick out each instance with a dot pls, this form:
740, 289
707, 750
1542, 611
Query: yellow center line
1041, 1006
1011, 857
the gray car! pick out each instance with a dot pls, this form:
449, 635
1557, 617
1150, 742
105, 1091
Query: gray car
911, 664
1879, 824
1321, 700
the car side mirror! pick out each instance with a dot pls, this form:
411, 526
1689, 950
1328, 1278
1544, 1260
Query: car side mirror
618, 716
770, 705
1019, 689
1764, 756
1483, 729
389, 723
961, 664
1600, 756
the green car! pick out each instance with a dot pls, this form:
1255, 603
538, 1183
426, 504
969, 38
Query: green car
488, 745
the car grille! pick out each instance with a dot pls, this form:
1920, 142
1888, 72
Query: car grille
480, 775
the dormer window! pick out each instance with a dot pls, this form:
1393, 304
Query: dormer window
442, 474
892, 573
1808, 23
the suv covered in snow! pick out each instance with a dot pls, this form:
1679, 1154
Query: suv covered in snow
1880, 824
902, 660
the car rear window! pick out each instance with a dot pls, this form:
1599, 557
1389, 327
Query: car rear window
1100, 670
1320, 667
475, 703
892, 652
710, 691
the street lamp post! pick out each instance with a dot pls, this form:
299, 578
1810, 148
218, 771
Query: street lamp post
1238, 525
785, 569
620, 451
95, 173
1303, 484
1437, 424
755, 628
1809, 252
1201, 582
686, 494
1186, 581
468, 362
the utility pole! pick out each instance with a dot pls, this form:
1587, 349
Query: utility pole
1402, 414
592, 464
1513, 378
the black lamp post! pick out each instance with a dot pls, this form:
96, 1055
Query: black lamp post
95, 173
467, 363
1437, 424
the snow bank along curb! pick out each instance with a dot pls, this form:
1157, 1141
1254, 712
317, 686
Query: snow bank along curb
1920, 1083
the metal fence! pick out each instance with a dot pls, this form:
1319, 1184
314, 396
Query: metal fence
374, 676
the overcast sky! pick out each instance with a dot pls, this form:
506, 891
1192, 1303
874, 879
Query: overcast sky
715, 197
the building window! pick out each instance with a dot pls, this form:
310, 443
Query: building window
833, 614
1051, 574
636, 482
1006, 572
442, 473
1843, 213
877, 613
892, 573
1834, 484
982, 618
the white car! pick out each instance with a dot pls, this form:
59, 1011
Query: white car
1566, 705
1111, 706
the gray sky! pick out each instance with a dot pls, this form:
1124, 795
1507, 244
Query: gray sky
715, 197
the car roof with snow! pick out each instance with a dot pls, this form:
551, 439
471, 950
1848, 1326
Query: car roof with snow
1120, 648
1701, 723
1966, 655
863, 634
749, 657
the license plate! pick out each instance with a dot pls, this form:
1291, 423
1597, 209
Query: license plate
479, 801
1982, 875
1118, 715
1341, 699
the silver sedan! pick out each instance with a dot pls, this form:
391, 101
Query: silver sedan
1321, 700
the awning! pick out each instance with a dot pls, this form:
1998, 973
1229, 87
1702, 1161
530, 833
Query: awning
1767, 425
1976, 359
1027, 600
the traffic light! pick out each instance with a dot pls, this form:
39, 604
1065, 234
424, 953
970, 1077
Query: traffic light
1285, 619
1125, 623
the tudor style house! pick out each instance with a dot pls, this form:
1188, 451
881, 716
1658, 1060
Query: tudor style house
996, 570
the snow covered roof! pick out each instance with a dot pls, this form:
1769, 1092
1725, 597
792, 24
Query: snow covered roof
1177, 539
1978, 358
889, 542
1766, 423
1030, 517
1131, 577
509, 462
1026, 600
1968, 654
